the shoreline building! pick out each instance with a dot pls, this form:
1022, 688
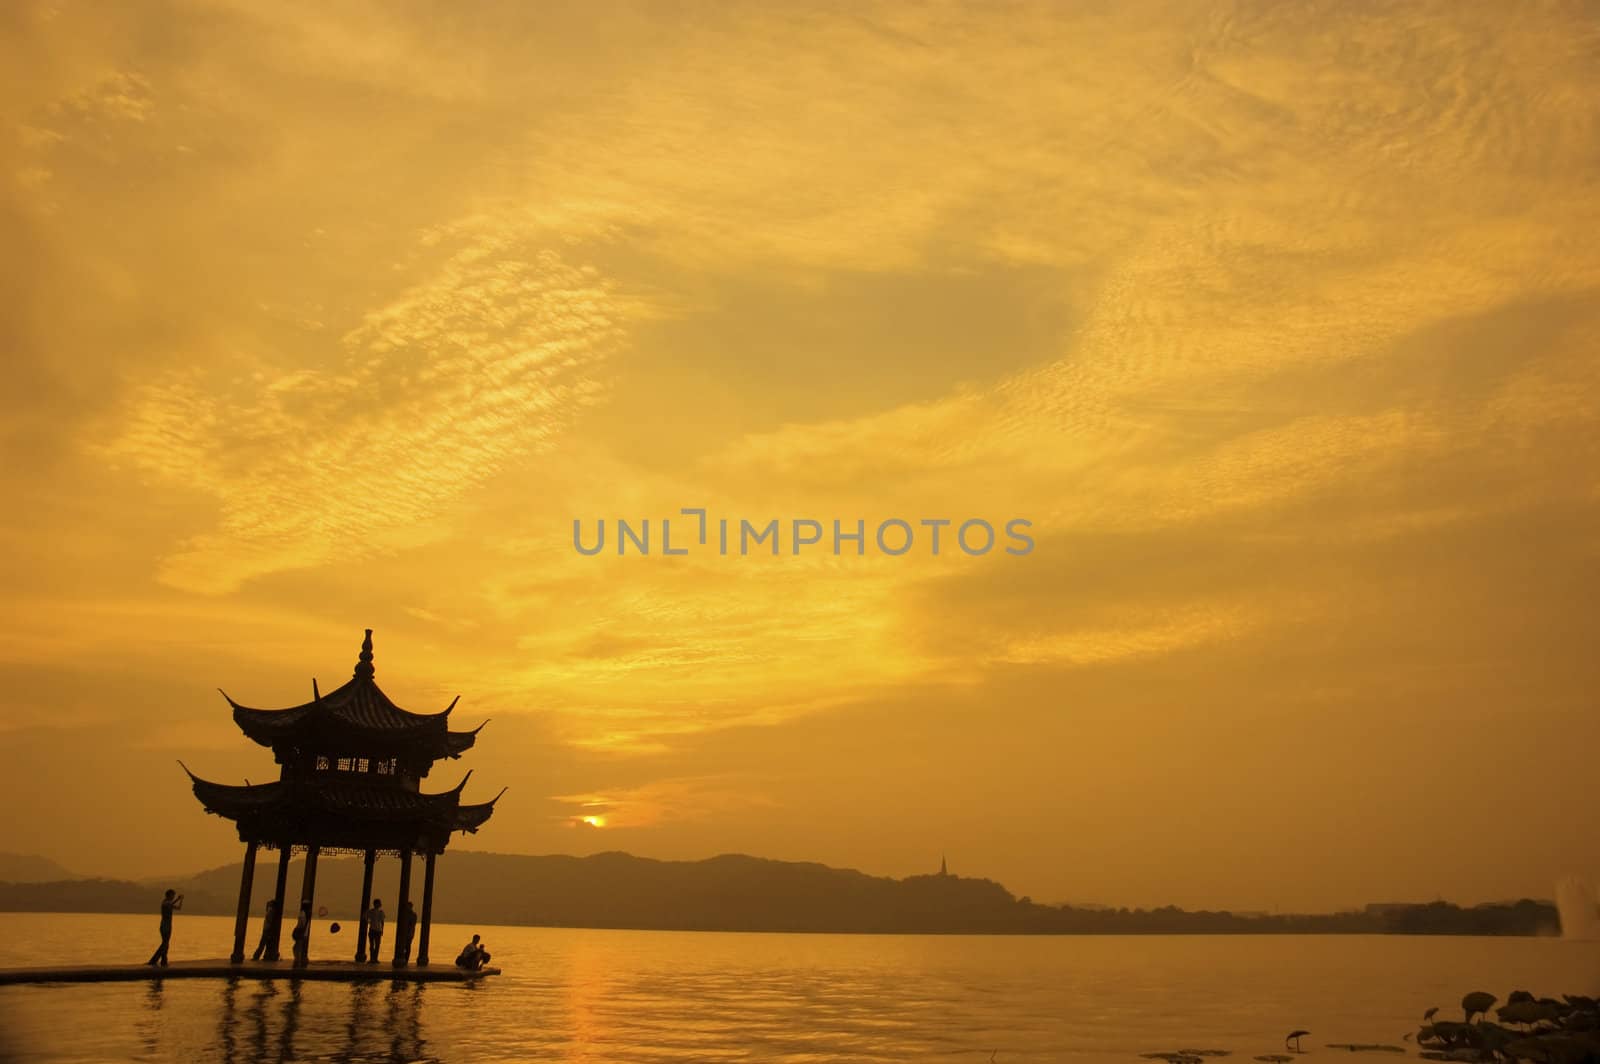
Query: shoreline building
352, 764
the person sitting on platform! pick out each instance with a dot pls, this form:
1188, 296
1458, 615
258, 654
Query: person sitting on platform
472, 956
269, 929
405, 925
170, 903
302, 936
374, 929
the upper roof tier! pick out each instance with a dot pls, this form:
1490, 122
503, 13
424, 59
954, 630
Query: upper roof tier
358, 716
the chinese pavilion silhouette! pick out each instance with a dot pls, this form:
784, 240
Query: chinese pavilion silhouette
352, 766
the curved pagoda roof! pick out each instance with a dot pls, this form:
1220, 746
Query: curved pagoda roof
360, 713
340, 812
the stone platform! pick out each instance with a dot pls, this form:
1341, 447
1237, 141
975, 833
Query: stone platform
335, 971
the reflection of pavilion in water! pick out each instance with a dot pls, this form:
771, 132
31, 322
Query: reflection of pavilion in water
352, 765
383, 1022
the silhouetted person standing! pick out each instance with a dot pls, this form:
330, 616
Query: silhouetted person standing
171, 903
269, 928
302, 936
405, 925
374, 930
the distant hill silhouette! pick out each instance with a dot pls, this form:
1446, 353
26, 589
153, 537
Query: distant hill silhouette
85, 896
26, 868
739, 893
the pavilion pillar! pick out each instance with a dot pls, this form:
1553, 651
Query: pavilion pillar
308, 893
241, 920
401, 950
427, 910
285, 851
366, 905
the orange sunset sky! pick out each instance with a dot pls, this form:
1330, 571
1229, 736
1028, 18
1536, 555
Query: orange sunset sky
1278, 321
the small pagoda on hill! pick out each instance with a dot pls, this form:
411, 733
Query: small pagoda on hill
352, 763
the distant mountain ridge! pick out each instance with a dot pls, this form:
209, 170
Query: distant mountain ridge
735, 892
29, 868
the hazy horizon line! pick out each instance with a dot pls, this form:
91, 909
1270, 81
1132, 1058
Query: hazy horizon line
1081, 904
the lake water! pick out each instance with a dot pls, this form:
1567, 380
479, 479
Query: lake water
584, 995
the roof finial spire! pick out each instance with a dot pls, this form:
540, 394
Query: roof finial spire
364, 669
